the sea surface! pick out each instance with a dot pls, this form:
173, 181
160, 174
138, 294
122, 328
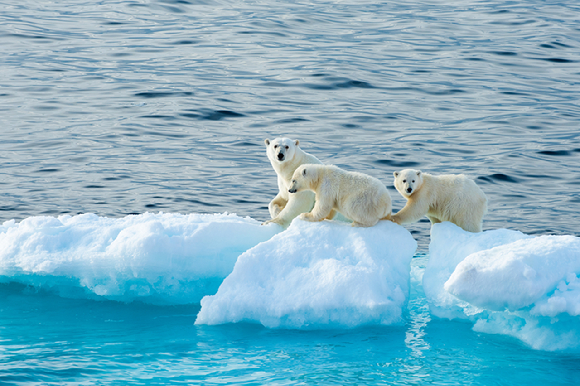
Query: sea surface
127, 107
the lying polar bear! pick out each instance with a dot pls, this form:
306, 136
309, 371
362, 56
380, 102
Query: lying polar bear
359, 197
451, 197
285, 156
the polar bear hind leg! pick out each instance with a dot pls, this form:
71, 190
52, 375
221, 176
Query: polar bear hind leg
331, 215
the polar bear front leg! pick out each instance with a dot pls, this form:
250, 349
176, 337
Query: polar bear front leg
277, 205
412, 212
300, 202
320, 212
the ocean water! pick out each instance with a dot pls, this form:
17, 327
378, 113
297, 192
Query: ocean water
127, 107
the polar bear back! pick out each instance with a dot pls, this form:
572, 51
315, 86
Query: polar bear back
452, 197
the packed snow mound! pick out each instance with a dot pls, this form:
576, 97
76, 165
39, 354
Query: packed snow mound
515, 275
156, 258
507, 283
449, 246
317, 275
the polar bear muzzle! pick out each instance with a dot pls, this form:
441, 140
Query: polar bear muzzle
292, 187
280, 151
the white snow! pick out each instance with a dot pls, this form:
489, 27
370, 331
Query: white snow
449, 246
157, 258
515, 275
507, 283
316, 275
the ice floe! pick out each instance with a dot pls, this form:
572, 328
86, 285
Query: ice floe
156, 258
312, 275
318, 275
507, 282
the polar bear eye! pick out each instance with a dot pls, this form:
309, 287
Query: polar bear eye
404, 181
286, 147
413, 181
275, 146
304, 172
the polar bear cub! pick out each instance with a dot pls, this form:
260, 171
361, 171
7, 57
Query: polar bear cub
360, 197
285, 156
453, 198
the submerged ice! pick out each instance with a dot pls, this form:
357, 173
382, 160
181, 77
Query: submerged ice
507, 282
317, 275
157, 258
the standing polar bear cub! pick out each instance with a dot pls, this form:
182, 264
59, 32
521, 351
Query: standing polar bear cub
286, 156
453, 198
360, 197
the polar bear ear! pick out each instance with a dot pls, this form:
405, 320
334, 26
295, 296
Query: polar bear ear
418, 173
267, 142
396, 174
296, 142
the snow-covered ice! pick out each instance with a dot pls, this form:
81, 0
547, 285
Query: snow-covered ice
515, 275
157, 258
507, 282
449, 246
317, 275
312, 275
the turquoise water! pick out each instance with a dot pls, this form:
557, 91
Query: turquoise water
46, 339
120, 107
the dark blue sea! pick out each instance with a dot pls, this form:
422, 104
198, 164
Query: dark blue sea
126, 107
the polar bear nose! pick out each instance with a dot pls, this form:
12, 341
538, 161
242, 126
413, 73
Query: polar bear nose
280, 156
409, 190
292, 190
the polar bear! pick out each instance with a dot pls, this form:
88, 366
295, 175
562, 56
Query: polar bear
285, 156
453, 198
359, 197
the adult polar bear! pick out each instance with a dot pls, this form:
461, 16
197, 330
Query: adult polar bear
286, 156
450, 197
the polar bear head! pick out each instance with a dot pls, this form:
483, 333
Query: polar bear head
281, 149
408, 181
303, 178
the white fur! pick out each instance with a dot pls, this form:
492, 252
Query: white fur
359, 197
285, 206
453, 198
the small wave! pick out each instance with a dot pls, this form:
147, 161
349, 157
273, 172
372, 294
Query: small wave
503, 53
397, 164
555, 152
213, 115
162, 94
186, 42
557, 60
498, 177
194, 201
